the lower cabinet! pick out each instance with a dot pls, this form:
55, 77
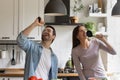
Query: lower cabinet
11, 78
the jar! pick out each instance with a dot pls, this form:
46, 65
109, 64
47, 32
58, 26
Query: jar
3, 54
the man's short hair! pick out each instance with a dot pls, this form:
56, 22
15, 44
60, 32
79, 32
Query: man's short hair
54, 31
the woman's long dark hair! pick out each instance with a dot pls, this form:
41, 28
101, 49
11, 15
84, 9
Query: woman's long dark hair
75, 41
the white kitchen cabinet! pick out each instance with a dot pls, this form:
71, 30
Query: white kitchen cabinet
16, 15
29, 10
8, 19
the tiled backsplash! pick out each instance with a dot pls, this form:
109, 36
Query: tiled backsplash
19, 57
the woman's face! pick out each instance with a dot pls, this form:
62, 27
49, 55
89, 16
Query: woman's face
82, 33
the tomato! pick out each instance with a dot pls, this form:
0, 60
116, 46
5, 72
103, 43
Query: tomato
40, 79
33, 78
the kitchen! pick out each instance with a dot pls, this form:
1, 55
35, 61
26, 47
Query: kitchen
18, 14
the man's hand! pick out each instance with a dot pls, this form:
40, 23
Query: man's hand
38, 22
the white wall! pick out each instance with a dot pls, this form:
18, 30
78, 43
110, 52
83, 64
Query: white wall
63, 43
113, 38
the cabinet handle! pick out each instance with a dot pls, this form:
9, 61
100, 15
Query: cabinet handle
5, 37
30, 37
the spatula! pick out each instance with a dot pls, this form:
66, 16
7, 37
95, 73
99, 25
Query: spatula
13, 62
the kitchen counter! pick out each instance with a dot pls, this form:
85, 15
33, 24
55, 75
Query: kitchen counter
20, 73
12, 72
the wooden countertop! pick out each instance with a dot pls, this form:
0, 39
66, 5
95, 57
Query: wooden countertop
67, 74
9, 72
20, 73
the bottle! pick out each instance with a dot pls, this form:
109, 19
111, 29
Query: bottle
99, 26
100, 5
99, 10
69, 63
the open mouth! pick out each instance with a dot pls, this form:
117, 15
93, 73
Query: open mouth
45, 34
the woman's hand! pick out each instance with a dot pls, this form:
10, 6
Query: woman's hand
100, 37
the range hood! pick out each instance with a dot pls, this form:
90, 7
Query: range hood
61, 19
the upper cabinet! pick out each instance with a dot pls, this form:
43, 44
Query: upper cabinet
16, 15
8, 19
29, 10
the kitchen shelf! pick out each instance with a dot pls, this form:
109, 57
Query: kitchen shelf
97, 14
63, 23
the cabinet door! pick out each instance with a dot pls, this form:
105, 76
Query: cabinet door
29, 11
8, 19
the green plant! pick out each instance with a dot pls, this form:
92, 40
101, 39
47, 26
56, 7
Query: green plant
78, 6
90, 26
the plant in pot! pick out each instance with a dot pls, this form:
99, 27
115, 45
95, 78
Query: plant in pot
76, 8
91, 27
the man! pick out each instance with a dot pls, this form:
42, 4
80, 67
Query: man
41, 62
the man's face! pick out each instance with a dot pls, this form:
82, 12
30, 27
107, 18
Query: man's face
47, 34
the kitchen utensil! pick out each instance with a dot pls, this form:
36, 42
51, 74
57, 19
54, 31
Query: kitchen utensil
13, 62
89, 33
2, 71
39, 19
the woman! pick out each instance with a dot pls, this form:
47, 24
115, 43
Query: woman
85, 53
